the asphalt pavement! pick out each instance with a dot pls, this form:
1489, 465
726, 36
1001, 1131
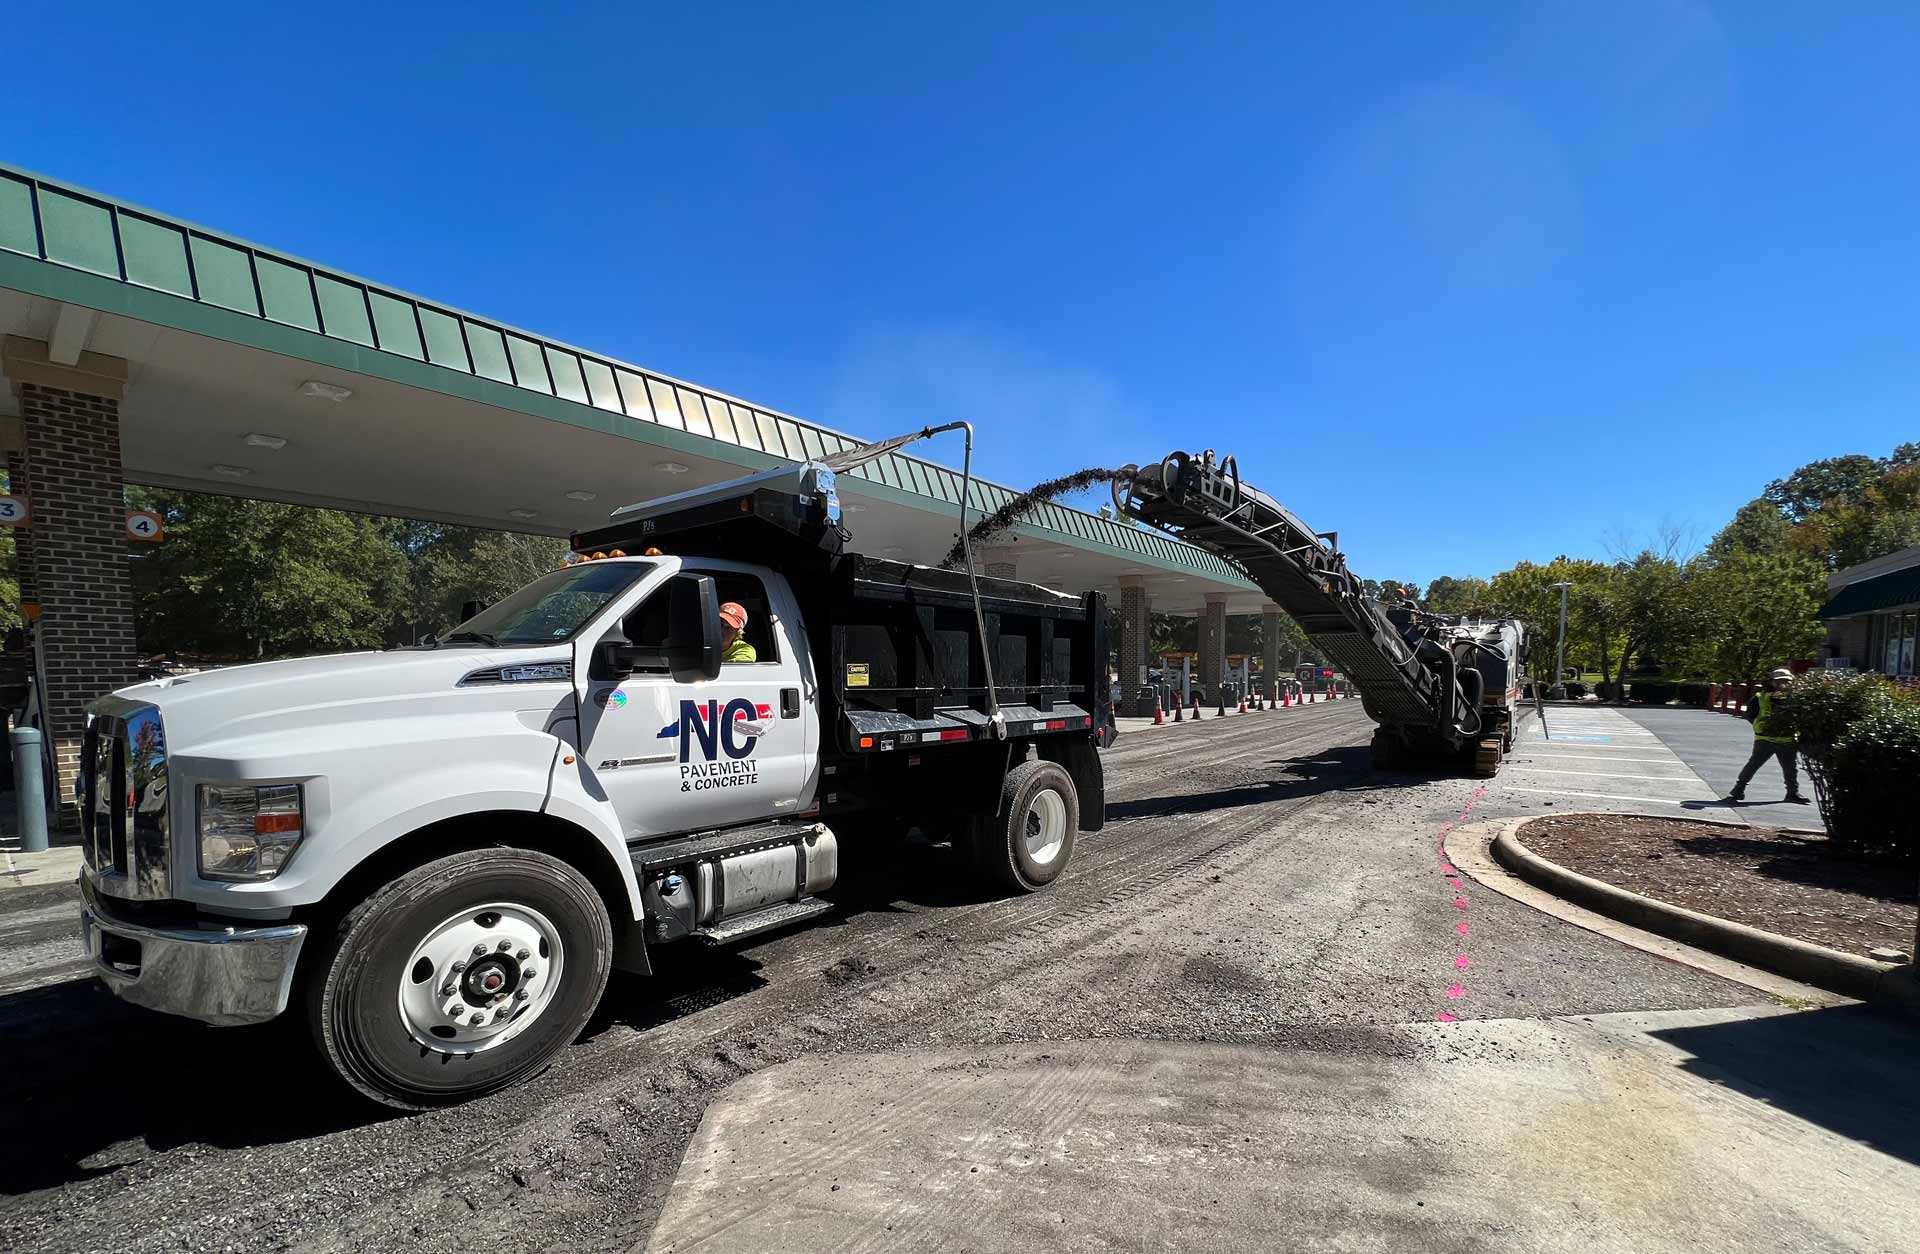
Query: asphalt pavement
1257, 886
1715, 745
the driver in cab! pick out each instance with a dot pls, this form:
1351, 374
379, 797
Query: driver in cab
733, 621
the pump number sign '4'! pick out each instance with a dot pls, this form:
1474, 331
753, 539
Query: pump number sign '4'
142, 525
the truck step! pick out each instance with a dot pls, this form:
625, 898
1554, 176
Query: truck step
783, 915
690, 849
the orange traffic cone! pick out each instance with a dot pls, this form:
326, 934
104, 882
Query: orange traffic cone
1177, 715
1159, 715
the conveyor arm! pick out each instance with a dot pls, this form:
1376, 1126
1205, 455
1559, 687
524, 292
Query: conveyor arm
1417, 687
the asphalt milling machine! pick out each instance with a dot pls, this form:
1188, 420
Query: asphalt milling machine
1441, 688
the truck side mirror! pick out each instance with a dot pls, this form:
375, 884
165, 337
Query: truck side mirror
693, 625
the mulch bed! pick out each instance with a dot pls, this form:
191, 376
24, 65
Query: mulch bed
1763, 877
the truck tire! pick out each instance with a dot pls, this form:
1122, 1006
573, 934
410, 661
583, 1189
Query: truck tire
1029, 842
463, 976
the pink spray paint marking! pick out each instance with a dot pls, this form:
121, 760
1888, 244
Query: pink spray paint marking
1454, 881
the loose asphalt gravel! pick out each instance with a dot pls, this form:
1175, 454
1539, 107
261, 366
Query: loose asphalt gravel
1256, 883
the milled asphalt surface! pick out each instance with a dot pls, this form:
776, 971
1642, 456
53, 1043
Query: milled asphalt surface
1257, 885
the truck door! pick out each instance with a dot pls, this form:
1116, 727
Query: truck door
680, 753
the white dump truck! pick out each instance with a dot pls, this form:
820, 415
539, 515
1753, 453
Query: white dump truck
437, 854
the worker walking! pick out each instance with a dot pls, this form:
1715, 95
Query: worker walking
1771, 738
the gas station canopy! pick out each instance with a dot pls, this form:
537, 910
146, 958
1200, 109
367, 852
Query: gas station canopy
254, 373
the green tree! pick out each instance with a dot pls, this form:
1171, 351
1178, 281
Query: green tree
1814, 485
1448, 595
1757, 527
239, 579
1594, 618
1756, 612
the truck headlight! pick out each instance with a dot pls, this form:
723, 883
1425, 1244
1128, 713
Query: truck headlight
248, 832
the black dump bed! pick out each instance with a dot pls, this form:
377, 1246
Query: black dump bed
898, 652
905, 663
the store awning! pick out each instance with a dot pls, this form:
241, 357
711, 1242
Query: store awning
1882, 592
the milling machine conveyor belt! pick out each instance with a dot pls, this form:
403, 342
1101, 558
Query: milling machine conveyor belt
1305, 574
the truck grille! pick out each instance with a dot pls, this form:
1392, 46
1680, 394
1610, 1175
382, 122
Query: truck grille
124, 832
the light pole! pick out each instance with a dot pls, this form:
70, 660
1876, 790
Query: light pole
1559, 689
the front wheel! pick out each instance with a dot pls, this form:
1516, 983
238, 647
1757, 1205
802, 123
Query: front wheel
461, 977
1028, 843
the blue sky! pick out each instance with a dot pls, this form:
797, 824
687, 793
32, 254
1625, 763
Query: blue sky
1469, 287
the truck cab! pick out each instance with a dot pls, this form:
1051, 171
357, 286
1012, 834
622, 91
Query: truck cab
436, 854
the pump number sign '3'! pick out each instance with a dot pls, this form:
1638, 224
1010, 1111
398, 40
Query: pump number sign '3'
717, 744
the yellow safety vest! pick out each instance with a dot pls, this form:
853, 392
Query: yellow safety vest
1763, 728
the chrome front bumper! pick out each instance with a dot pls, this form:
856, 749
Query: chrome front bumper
218, 975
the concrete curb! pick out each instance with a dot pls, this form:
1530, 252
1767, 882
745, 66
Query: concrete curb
1863, 978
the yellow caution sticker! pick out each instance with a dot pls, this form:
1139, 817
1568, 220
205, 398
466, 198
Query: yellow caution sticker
856, 675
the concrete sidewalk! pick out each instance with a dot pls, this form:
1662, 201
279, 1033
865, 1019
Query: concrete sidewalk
1669, 1131
58, 865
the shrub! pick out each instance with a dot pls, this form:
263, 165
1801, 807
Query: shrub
1870, 777
1693, 694
1821, 705
1652, 691
1576, 689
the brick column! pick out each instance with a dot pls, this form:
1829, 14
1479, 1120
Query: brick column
996, 563
1270, 649
77, 499
1136, 625
22, 536
1213, 641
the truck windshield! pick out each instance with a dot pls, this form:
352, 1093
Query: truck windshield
552, 607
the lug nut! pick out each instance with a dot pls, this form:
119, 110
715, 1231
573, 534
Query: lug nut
479, 1017
523, 955
447, 989
479, 950
504, 946
522, 995
529, 971
460, 966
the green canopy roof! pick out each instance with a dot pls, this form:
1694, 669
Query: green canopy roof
1882, 592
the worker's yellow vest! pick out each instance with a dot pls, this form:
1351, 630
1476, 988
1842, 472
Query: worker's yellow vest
1763, 726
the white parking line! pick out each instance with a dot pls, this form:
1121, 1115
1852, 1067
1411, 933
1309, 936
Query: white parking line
1604, 796
1539, 770
1595, 757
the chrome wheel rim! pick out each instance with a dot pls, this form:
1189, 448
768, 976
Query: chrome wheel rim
1045, 826
481, 977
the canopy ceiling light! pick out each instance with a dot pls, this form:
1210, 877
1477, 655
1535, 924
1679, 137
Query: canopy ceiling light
325, 391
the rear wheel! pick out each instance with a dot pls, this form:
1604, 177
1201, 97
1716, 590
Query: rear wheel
1029, 842
461, 977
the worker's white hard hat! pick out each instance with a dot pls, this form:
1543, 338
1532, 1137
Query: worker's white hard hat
1781, 672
